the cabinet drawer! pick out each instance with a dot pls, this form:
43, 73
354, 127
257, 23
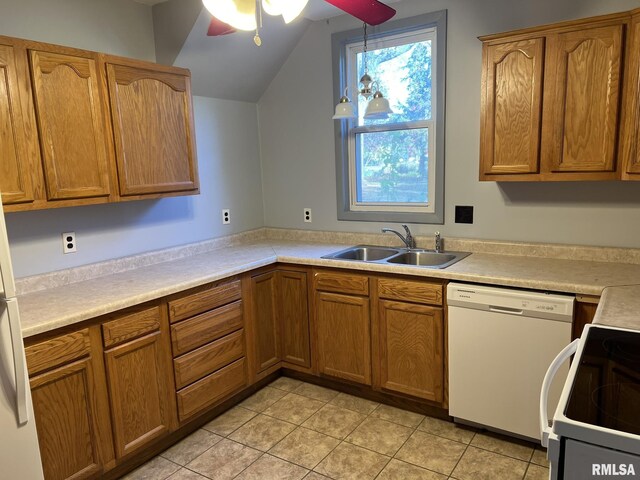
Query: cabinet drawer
342, 283
132, 326
411, 291
211, 389
209, 326
57, 351
202, 301
195, 365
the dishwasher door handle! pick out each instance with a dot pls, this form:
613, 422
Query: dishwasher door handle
510, 311
563, 356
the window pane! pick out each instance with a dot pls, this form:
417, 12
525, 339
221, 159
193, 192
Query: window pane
404, 76
392, 167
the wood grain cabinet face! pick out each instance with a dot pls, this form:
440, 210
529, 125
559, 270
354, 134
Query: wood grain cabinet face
137, 375
264, 302
631, 112
293, 308
344, 337
71, 122
583, 96
18, 140
512, 107
153, 128
71, 406
411, 349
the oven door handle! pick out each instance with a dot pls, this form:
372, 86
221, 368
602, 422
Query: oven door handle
563, 356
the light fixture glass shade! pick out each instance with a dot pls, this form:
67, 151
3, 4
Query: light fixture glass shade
344, 109
240, 14
289, 9
378, 107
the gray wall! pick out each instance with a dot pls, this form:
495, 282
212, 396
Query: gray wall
227, 139
297, 141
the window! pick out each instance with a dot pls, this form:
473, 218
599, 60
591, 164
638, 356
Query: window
392, 169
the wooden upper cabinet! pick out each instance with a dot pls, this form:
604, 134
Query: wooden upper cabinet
72, 124
19, 151
153, 127
512, 107
584, 85
551, 99
630, 145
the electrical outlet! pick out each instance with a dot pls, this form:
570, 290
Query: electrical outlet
307, 215
69, 242
226, 216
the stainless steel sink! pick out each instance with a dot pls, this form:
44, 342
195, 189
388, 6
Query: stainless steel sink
398, 256
364, 253
428, 258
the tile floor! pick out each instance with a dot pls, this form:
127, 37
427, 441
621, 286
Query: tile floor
294, 430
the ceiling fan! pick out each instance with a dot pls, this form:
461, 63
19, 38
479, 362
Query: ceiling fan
232, 15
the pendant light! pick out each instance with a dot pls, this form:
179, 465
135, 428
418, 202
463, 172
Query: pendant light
344, 108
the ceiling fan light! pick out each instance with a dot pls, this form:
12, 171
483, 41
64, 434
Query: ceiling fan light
240, 14
289, 9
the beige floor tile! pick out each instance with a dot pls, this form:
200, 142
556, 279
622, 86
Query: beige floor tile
156, 469
263, 399
335, 421
431, 452
184, 474
305, 447
285, 383
449, 430
230, 421
357, 404
262, 432
540, 457
316, 392
510, 447
192, 446
268, 467
536, 472
224, 460
352, 462
294, 408
380, 436
397, 415
397, 470
477, 464
316, 476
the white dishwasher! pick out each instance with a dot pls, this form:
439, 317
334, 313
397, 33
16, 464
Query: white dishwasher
501, 342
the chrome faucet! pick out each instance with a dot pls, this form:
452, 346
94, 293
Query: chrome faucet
408, 240
438, 243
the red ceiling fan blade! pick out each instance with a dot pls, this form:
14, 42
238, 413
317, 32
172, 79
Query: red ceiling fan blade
218, 27
369, 11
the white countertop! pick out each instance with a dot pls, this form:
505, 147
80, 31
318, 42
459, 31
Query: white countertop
57, 307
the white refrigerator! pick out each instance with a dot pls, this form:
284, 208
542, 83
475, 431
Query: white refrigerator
19, 452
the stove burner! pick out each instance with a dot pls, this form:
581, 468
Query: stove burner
605, 399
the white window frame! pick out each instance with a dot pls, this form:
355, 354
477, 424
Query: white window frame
389, 41
346, 131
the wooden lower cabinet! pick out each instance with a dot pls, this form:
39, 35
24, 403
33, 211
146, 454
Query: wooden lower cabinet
140, 390
411, 359
293, 310
344, 338
71, 406
264, 301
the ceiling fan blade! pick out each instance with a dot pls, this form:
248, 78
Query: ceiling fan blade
218, 27
371, 12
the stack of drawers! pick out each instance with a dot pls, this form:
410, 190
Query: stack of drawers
207, 339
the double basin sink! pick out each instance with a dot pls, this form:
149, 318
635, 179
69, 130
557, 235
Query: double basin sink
398, 256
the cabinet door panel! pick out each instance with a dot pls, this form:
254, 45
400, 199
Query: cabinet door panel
18, 139
512, 107
151, 113
66, 420
71, 122
264, 300
294, 317
411, 349
581, 109
631, 106
139, 391
344, 338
